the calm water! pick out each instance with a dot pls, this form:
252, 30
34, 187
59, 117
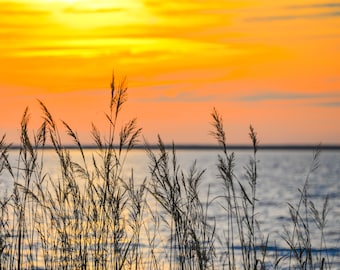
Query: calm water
280, 176
281, 173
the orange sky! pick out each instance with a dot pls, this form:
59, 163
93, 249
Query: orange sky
272, 64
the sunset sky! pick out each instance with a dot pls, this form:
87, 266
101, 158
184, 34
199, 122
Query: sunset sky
272, 64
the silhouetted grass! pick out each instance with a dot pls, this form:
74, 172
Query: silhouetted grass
90, 215
191, 238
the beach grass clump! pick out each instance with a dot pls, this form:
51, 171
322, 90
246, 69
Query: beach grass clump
305, 219
239, 202
92, 214
191, 238
78, 219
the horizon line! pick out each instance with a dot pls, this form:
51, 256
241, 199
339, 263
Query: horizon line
185, 146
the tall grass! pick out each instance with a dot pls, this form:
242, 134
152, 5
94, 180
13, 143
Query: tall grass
239, 203
191, 238
92, 215
77, 220
303, 216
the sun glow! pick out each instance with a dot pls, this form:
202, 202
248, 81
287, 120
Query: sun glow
96, 3
58, 1
81, 5
67, 1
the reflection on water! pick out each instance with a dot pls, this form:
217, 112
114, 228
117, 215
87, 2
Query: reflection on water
281, 176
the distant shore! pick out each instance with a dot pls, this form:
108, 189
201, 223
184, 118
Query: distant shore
215, 147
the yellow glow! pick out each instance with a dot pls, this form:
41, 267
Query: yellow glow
94, 3
66, 1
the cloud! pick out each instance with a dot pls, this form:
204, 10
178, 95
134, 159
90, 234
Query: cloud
75, 10
271, 95
296, 17
323, 10
17, 9
191, 96
20, 17
181, 97
273, 18
23, 12
319, 5
331, 104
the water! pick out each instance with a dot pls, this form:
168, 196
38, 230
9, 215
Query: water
281, 177
281, 174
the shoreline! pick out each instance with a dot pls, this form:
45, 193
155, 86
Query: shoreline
332, 147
